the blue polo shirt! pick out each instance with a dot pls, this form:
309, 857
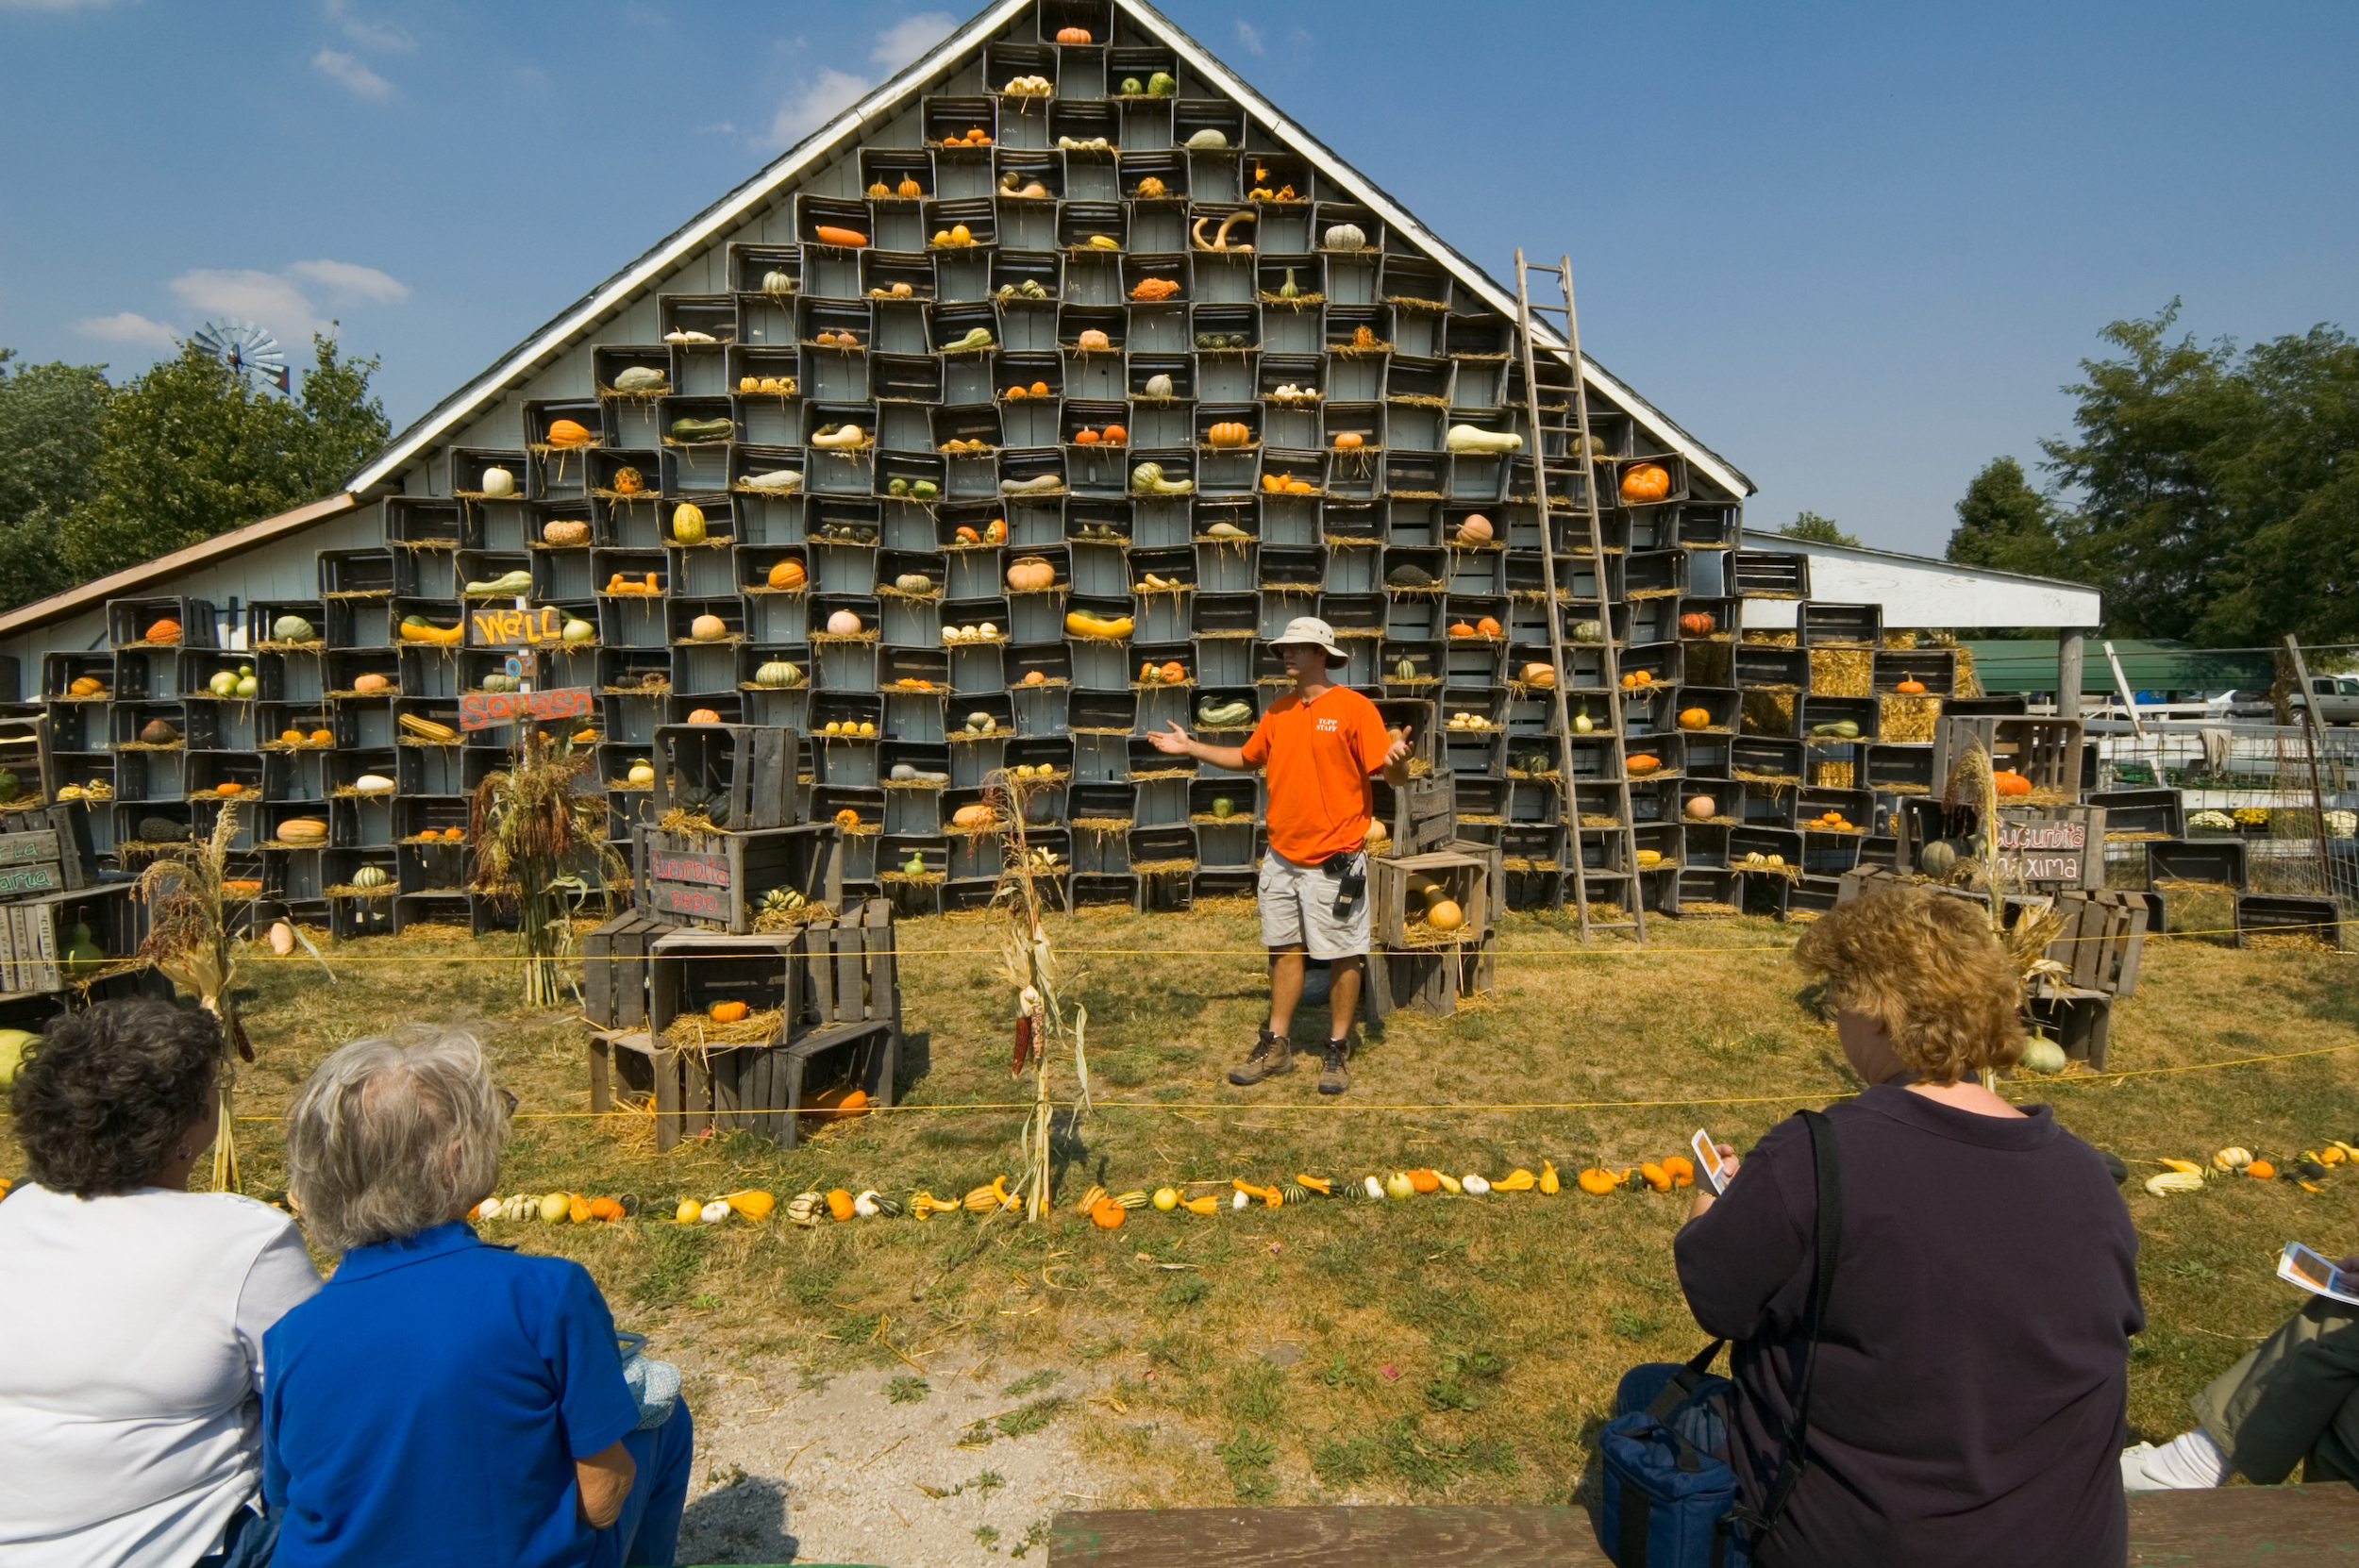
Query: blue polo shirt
428, 1405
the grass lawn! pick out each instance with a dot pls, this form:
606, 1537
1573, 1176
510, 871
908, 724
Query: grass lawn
1462, 1346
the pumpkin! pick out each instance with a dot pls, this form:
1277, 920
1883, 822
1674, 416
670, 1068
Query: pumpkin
565, 530
1227, 433
579, 632
293, 628
1488, 626
1107, 1215
628, 481
1093, 337
908, 190
1702, 808
1936, 858
569, 432
707, 628
2260, 1170
303, 830
1597, 1182
1459, 628
1536, 673
703, 716
1150, 189
2041, 1054
1694, 718
1642, 763
1475, 530
1586, 631
1173, 671
1696, 624
844, 623
370, 876
778, 674
727, 1012
165, 630
1443, 915
787, 573
1349, 441
1681, 1169
2009, 782
688, 524
373, 682
1911, 688
1030, 575
496, 481
972, 817
323, 737
1646, 482
1345, 237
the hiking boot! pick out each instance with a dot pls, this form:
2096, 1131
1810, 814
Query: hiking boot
1272, 1055
1334, 1076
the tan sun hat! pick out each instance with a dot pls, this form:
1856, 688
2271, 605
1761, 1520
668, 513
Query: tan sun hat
1317, 633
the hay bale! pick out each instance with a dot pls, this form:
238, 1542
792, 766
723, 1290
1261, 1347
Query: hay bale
1843, 672
1908, 720
1902, 640
1831, 775
1768, 713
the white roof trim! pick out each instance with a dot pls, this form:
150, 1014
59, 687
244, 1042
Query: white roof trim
554, 337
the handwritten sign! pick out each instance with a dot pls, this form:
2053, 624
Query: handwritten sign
673, 898
2037, 848
40, 877
483, 709
489, 627
674, 865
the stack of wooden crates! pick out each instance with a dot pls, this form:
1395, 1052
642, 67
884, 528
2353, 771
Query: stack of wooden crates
693, 941
1410, 964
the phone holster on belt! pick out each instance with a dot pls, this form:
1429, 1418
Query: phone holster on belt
1350, 870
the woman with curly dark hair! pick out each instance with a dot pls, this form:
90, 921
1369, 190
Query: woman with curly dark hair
130, 1417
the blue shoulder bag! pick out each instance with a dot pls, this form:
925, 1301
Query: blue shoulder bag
1670, 1498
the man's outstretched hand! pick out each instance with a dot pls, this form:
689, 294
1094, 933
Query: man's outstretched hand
1173, 743
1398, 750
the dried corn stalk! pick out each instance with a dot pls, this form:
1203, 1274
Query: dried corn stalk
1029, 961
534, 835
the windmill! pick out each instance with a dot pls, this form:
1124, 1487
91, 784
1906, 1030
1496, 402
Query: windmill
250, 352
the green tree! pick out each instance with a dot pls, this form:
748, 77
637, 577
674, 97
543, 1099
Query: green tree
2006, 524
2154, 428
50, 417
1822, 531
189, 451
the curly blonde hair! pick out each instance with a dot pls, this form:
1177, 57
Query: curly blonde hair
1928, 967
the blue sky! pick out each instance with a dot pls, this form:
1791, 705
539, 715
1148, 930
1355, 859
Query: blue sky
1855, 248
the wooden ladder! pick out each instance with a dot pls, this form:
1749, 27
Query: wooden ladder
1557, 465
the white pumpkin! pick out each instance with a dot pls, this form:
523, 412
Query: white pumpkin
707, 628
498, 481
844, 624
1345, 237
372, 783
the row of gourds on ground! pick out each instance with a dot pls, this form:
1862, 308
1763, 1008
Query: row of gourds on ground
1106, 1210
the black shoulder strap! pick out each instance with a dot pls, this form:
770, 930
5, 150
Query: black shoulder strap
1829, 1232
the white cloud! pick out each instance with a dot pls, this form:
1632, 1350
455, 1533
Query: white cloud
1249, 35
346, 281
910, 38
369, 35
350, 73
820, 102
128, 326
265, 297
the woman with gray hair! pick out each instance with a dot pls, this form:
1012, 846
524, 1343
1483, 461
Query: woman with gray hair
443, 1400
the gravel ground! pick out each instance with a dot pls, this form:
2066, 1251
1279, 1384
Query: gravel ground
840, 1474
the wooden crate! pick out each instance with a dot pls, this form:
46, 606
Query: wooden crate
2127, 811
614, 971
2269, 912
35, 933
718, 881
2080, 1022
751, 767
1427, 981
2045, 751
849, 969
1466, 878
2216, 861
2103, 936
761, 1089
1425, 814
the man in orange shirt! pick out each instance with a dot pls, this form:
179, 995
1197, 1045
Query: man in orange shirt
1319, 744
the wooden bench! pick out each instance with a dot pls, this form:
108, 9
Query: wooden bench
2233, 1524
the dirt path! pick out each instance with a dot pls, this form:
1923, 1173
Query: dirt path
834, 1471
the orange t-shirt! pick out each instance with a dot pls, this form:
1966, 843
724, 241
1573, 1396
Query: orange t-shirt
1319, 755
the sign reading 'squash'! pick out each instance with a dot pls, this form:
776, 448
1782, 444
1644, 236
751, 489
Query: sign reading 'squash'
486, 710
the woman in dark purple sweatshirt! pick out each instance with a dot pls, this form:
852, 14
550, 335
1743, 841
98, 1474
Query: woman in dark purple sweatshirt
1968, 1402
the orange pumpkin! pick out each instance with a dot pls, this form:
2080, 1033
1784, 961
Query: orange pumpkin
569, 432
1694, 718
704, 716
2011, 783
1488, 626
628, 481
605, 1209
788, 573
165, 630
1174, 671
847, 818
323, 737
1696, 624
1040, 389
228, 787
1349, 441
1116, 435
1646, 482
1093, 337
727, 1012
1643, 764
1085, 438
1911, 688
835, 1104
1030, 575
1073, 35
1149, 189
840, 1204
908, 190
1107, 1215
1683, 1170
1459, 628
1227, 433
372, 682
1423, 1182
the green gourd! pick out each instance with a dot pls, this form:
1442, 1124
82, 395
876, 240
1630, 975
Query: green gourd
1936, 858
1582, 724
1404, 668
82, 954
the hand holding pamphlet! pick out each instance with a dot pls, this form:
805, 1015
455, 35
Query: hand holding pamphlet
2319, 1276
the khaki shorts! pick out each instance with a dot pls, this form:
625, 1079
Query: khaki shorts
1298, 905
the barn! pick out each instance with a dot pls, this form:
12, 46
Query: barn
986, 430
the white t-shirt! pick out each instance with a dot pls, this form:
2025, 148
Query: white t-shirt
130, 1361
